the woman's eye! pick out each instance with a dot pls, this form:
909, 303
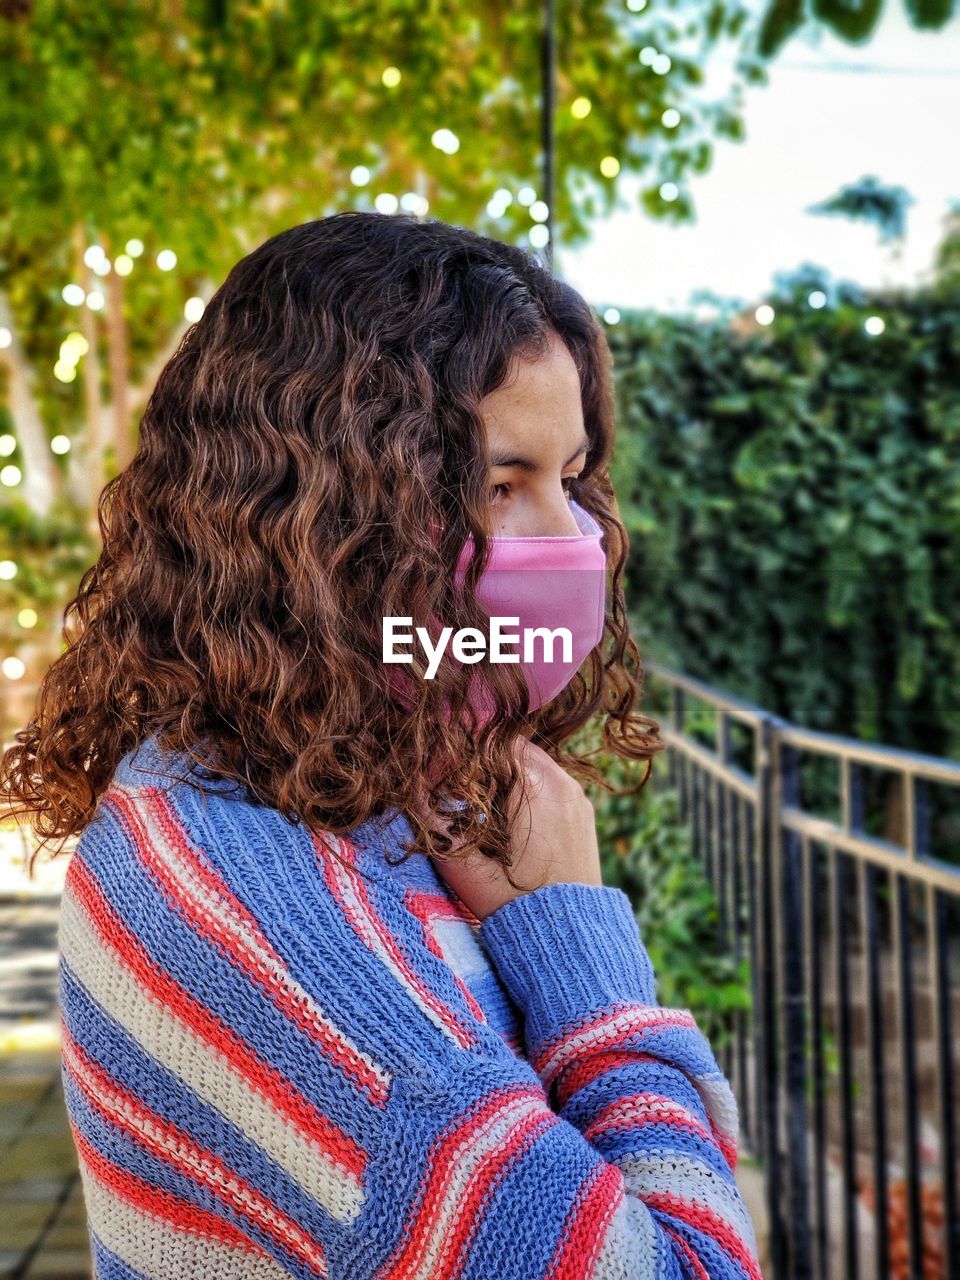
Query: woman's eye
501, 490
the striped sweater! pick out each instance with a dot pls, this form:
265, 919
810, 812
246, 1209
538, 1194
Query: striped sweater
276, 1064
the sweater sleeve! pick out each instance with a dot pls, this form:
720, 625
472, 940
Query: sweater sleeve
638, 1081
270, 1069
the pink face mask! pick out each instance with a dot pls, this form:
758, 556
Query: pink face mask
550, 583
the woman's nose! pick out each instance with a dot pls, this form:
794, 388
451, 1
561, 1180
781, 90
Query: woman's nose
551, 517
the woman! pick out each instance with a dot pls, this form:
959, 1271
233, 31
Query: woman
343, 992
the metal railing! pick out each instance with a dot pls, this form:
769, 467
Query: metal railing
847, 1066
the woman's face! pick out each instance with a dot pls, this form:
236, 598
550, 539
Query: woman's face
536, 444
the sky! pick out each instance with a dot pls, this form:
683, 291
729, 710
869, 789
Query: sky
831, 114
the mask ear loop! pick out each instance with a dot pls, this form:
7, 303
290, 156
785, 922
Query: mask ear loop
585, 521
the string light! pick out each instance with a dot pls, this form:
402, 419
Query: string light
10, 475
611, 315
60, 444
539, 211
817, 299
874, 325
123, 265
670, 118
538, 236
8, 570
193, 309
609, 166
413, 202
764, 314
499, 202
359, 175
526, 196
386, 202
73, 295
166, 259
134, 248
391, 77
580, 108
669, 191
7, 444
445, 140
28, 618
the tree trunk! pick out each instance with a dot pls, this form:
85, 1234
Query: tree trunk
39, 486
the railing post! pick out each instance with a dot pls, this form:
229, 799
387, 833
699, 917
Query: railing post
789, 862
768, 1075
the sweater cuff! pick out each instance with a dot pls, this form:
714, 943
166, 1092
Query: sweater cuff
567, 951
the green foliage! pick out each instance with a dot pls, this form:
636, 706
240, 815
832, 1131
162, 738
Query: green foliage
793, 500
854, 23
202, 128
51, 555
873, 201
646, 850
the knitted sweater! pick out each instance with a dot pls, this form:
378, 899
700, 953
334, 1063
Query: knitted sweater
277, 1065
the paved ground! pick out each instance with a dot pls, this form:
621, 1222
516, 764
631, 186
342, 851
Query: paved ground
42, 1219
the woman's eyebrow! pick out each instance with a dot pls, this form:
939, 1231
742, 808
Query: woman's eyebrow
501, 459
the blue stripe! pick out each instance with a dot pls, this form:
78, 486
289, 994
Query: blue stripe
532, 1179
106, 1264
225, 990
126, 1153
715, 1260
123, 1058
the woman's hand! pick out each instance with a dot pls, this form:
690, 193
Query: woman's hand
554, 840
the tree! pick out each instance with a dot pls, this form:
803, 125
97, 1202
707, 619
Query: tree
205, 131
872, 201
854, 23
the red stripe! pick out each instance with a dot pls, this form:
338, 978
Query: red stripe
134, 1118
641, 1109
580, 1246
441, 1162
610, 1035
463, 1036
495, 1166
180, 1214
429, 908
263, 1078
697, 1268
703, 1219
344, 1057
591, 1067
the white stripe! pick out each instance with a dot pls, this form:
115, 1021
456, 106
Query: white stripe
465, 1164
721, 1104
226, 918
176, 1046
185, 1154
359, 916
610, 1032
158, 1250
630, 1246
675, 1172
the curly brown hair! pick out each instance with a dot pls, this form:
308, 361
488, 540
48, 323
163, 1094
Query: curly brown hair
294, 452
